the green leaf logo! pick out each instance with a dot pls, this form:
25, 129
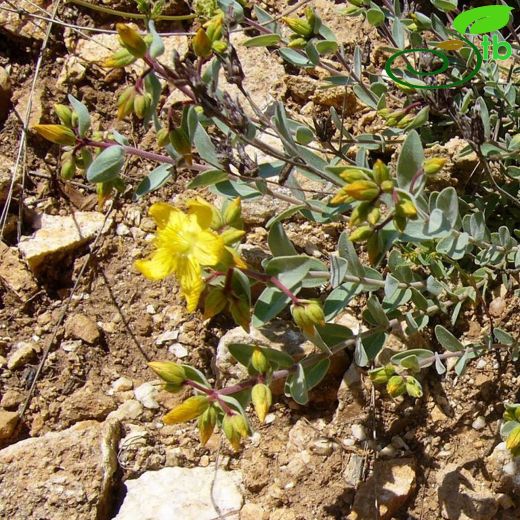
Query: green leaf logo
482, 20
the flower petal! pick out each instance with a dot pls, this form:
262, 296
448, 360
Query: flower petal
165, 214
208, 248
189, 274
158, 266
205, 212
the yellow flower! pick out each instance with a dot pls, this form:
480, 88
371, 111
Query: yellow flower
184, 244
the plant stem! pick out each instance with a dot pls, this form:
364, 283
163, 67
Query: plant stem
273, 280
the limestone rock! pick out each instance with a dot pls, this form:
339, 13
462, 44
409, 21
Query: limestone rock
504, 470
22, 353
393, 482
8, 421
60, 235
6, 173
79, 326
181, 493
24, 26
5, 94
14, 273
146, 394
85, 403
62, 475
463, 497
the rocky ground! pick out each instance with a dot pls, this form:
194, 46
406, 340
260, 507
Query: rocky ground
90, 443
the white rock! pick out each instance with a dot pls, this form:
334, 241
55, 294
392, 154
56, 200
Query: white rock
178, 350
359, 432
479, 423
122, 230
59, 235
122, 384
150, 309
71, 345
129, 410
145, 394
166, 337
181, 493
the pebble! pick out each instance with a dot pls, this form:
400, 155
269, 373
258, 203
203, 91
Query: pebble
166, 337
178, 350
322, 447
122, 384
481, 364
270, 418
23, 353
129, 410
122, 230
479, 423
150, 309
145, 394
8, 421
497, 307
79, 326
388, 452
71, 346
359, 432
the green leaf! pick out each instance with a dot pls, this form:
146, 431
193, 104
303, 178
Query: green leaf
279, 242
242, 352
447, 339
298, 386
376, 311
207, 178
420, 354
195, 375
410, 161
264, 40
448, 202
315, 373
83, 115
339, 298
279, 358
295, 58
375, 16
445, 5
503, 337
348, 252
157, 45
338, 270
326, 46
155, 179
107, 165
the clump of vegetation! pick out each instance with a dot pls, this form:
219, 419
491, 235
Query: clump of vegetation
430, 252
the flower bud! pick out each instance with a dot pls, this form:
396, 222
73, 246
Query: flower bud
380, 376
214, 27
511, 412
232, 213
387, 186
262, 399
206, 424
354, 174
259, 361
235, 428
68, 166
297, 43
142, 103
188, 410
396, 386
405, 121
357, 3
299, 26
513, 441
406, 208
169, 371
231, 235
360, 213
58, 134
341, 197
380, 172
214, 303
307, 314
413, 387
120, 58
361, 234
362, 190
64, 113
163, 137
374, 216
131, 40
433, 165
201, 44
219, 46
125, 102
311, 17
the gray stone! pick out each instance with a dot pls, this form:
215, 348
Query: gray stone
175, 493
62, 475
